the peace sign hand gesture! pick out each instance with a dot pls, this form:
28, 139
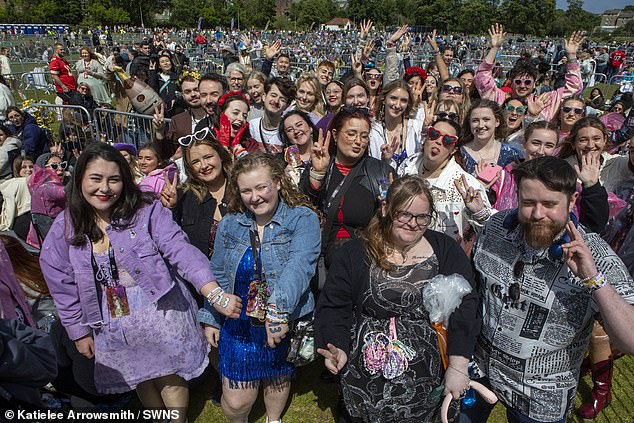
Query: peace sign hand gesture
159, 116
431, 39
577, 255
168, 193
319, 155
335, 358
471, 197
388, 150
357, 66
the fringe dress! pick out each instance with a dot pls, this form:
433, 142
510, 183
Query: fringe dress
245, 358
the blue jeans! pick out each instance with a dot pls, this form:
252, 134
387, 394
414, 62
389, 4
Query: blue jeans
481, 411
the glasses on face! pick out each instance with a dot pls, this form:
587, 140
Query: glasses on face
405, 217
375, 76
517, 109
434, 134
526, 82
447, 116
577, 110
199, 135
452, 89
55, 166
515, 289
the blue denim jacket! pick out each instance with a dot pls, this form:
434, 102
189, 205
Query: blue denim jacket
150, 249
290, 249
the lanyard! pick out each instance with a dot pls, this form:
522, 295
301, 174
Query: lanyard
336, 191
114, 270
255, 247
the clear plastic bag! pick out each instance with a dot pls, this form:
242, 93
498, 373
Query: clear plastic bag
443, 294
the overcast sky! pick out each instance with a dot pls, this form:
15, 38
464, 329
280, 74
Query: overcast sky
596, 6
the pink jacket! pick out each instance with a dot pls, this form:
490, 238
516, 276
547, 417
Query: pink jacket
485, 83
47, 197
155, 180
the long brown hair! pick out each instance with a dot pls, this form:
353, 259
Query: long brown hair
568, 147
379, 108
25, 266
194, 184
378, 234
288, 191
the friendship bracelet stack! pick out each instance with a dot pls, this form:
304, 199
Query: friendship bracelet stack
481, 215
318, 176
217, 296
595, 282
273, 315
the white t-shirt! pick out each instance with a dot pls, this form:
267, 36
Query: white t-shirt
268, 139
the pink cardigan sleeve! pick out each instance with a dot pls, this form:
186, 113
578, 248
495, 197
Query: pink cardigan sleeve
574, 86
485, 83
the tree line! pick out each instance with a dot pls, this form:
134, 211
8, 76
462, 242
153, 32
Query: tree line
531, 17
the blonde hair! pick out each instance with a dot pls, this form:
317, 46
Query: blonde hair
378, 234
319, 107
288, 191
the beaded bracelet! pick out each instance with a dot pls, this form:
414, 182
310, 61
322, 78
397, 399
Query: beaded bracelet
211, 297
318, 176
595, 282
483, 214
273, 315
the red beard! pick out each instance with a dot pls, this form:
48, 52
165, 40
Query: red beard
541, 234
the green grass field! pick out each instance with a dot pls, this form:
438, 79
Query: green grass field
314, 400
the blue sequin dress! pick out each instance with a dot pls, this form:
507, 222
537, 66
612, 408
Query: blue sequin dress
244, 357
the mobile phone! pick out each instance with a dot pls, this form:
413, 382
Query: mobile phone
489, 173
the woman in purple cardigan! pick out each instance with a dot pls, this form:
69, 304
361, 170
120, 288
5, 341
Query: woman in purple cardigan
111, 262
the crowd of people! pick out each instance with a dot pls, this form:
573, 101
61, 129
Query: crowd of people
423, 233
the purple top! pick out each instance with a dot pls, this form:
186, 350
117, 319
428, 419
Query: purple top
12, 297
147, 249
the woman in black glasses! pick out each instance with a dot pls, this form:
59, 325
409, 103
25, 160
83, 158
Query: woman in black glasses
571, 110
372, 326
436, 163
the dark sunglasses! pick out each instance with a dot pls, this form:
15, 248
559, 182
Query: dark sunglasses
447, 140
351, 110
373, 75
61, 165
451, 89
519, 109
568, 109
515, 289
447, 116
527, 82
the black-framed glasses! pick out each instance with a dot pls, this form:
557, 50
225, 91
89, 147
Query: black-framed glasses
447, 116
434, 134
198, 136
517, 109
577, 110
404, 217
515, 290
451, 89
54, 166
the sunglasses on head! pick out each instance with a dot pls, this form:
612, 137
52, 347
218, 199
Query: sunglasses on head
451, 89
434, 134
577, 110
61, 165
519, 109
526, 82
447, 116
199, 135
373, 75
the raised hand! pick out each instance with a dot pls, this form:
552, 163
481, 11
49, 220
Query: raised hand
431, 39
496, 32
472, 199
319, 155
430, 112
168, 193
577, 254
388, 150
398, 34
273, 50
590, 169
367, 50
357, 66
365, 28
152, 65
159, 116
335, 358
418, 93
537, 103
245, 40
573, 43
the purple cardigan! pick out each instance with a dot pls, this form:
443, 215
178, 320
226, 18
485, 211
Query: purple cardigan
11, 293
147, 249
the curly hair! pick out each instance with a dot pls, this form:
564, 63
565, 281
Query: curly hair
523, 67
288, 190
378, 235
194, 184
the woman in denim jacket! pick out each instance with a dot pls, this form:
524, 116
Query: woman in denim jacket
110, 261
270, 216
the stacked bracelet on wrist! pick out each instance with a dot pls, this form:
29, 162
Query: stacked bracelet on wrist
594, 282
273, 315
481, 215
435, 52
217, 297
318, 176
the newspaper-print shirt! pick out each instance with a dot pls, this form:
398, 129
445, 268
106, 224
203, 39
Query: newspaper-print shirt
532, 349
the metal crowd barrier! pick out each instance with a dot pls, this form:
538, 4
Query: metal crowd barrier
69, 124
113, 126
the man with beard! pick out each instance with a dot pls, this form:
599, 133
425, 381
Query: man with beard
64, 80
543, 282
181, 124
278, 94
212, 86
